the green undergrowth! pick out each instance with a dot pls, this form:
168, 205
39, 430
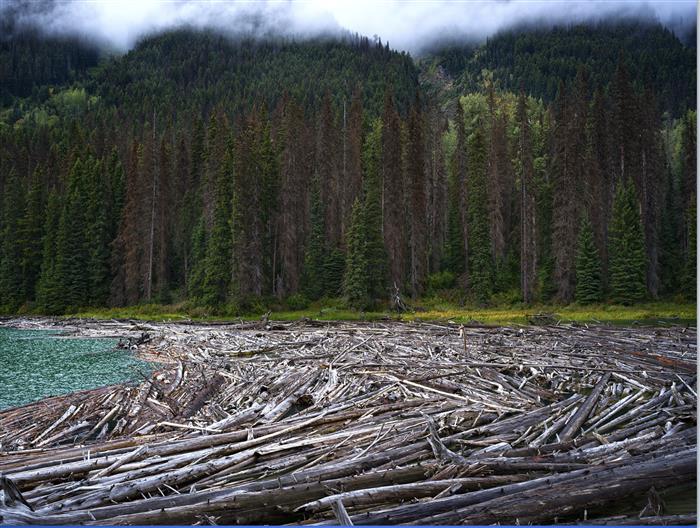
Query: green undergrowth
652, 313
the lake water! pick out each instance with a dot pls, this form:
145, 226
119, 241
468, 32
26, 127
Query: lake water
36, 364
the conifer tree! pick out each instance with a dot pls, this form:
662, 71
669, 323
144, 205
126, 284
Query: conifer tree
569, 151
218, 253
627, 262
376, 253
129, 255
48, 290
312, 277
417, 211
31, 232
198, 254
355, 281
296, 155
248, 221
364, 279
588, 273
690, 275
351, 182
72, 250
268, 173
688, 184
480, 261
11, 280
98, 234
671, 259
455, 253
393, 190
454, 243
528, 226
333, 272
327, 163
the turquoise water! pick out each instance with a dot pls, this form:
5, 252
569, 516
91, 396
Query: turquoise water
35, 364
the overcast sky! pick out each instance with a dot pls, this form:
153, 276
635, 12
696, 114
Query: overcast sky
406, 24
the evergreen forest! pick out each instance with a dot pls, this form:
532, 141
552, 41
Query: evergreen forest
546, 165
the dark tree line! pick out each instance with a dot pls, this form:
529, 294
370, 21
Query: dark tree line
357, 193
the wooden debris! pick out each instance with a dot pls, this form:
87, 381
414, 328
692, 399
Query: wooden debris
380, 423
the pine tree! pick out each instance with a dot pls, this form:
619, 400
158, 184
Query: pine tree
528, 226
293, 197
393, 190
568, 164
588, 272
417, 212
627, 255
268, 173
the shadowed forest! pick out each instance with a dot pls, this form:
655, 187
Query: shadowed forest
543, 166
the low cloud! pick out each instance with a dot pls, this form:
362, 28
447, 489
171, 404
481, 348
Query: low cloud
409, 24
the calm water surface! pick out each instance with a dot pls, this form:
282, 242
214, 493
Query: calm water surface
35, 364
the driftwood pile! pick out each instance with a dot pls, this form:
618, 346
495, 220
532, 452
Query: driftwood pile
366, 424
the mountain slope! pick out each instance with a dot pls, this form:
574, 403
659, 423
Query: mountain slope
540, 58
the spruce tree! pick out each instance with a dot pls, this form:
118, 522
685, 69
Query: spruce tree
333, 271
480, 261
588, 268
355, 282
376, 253
98, 234
218, 253
31, 232
72, 250
48, 290
627, 254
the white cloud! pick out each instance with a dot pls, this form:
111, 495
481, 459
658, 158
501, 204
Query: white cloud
406, 24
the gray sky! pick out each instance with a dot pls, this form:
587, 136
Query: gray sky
407, 24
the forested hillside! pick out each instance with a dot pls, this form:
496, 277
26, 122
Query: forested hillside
541, 58
231, 174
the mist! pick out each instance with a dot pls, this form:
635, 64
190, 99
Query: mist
406, 25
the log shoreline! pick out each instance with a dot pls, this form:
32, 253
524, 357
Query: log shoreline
363, 423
